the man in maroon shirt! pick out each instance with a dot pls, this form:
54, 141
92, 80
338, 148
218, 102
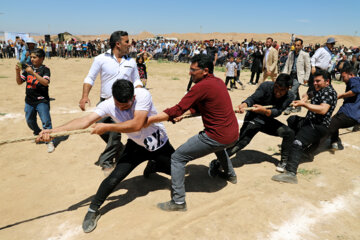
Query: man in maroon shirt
209, 98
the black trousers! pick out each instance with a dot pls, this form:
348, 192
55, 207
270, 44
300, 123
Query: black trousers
253, 75
339, 120
306, 136
132, 156
271, 127
232, 83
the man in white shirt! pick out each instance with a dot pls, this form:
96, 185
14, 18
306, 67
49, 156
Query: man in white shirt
321, 60
113, 64
130, 109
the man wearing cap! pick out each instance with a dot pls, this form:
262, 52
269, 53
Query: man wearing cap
113, 64
320, 60
25, 56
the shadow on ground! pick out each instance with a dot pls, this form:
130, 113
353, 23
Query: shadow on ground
197, 180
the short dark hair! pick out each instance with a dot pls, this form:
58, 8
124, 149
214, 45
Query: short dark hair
203, 61
349, 70
38, 52
270, 39
284, 80
123, 90
299, 39
115, 37
323, 73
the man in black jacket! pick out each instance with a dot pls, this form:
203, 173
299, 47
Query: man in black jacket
262, 119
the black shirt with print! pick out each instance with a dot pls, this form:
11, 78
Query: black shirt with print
36, 92
326, 95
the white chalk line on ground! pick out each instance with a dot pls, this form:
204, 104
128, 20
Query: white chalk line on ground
20, 116
301, 221
67, 232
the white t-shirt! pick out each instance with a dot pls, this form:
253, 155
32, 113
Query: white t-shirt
231, 67
152, 137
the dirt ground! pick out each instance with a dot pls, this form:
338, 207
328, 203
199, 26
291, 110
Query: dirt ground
46, 196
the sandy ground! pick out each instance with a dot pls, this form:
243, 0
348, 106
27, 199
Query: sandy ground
45, 196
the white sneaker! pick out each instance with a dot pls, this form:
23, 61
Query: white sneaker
50, 147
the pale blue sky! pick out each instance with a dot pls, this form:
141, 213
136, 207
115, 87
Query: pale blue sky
315, 17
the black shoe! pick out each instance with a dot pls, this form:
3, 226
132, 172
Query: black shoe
232, 150
90, 221
172, 206
288, 111
281, 166
214, 168
296, 110
286, 177
230, 178
150, 168
337, 146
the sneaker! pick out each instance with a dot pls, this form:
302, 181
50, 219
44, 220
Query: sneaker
149, 169
356, 128
230, 178
337, 146
296, 110
90, 221
281, 166
250, 83
50, 147
288, 111
214, 168
286, 177
172, 206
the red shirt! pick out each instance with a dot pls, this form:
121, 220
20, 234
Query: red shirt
210, 98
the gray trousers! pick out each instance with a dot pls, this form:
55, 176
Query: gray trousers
197, 146
295, 87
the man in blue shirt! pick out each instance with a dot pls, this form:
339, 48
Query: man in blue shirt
349, 113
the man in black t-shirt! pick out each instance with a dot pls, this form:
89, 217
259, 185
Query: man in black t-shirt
212, 51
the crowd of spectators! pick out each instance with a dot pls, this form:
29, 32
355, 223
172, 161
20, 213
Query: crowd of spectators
182, 50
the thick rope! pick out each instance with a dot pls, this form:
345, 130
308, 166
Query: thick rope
67, 133
236, 111
53, 135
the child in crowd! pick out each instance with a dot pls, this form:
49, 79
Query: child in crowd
142, 69
37, 78
230, 73
238, 70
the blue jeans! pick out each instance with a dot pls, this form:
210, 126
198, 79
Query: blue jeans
196, 147
44, 112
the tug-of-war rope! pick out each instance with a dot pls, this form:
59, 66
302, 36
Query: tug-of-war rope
53, 135
68, 133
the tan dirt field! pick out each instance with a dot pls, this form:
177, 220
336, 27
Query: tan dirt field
45, 196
